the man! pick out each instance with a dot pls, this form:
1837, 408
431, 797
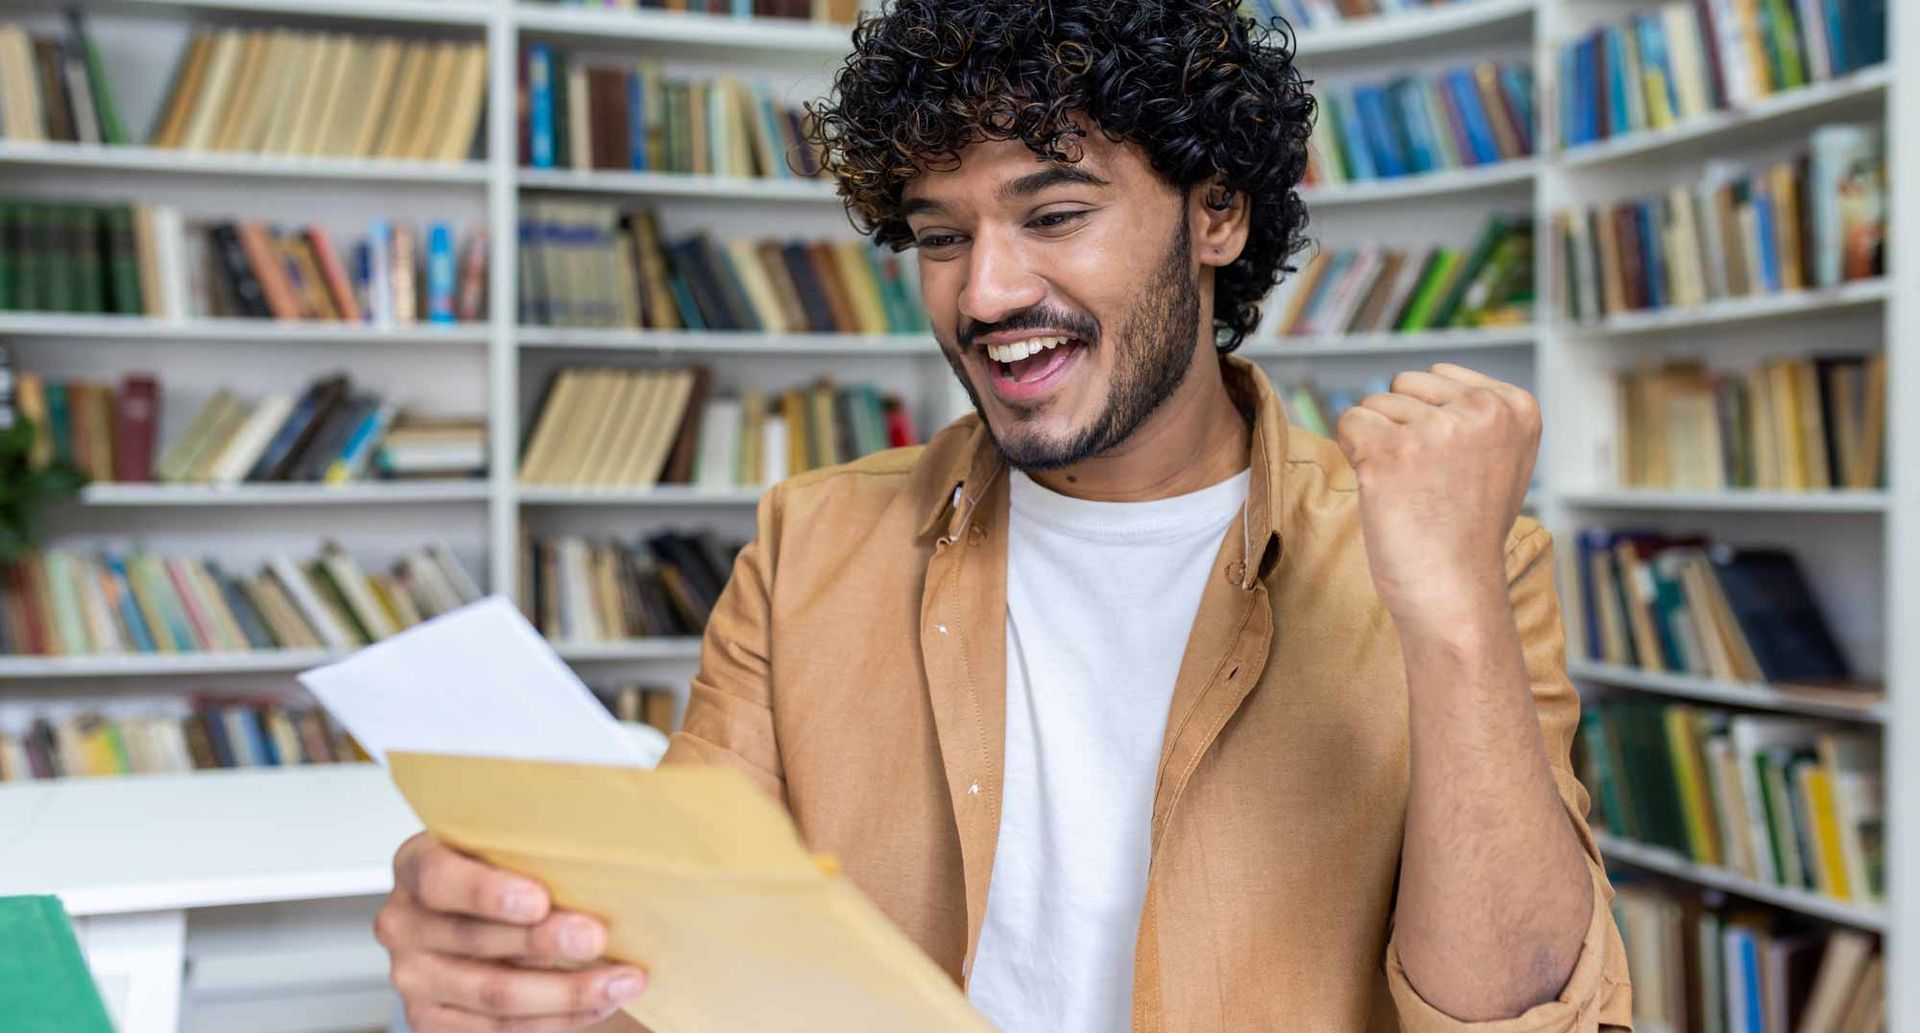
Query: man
1133, 706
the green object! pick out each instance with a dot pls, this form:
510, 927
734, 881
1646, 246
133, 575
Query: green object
45, 986
1786, 45
9, 258
123, 263
111, 131
1420, 313
87, 291
31, 237
1496, 232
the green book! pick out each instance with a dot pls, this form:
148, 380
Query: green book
1497, 230
123, 263
60, 421
37, 286
1786, 44
111, 131
9, 259
1443, 272
45, 986
87, 289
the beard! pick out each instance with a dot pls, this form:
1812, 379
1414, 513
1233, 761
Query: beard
1156, 342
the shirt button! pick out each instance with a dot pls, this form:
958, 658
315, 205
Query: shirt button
1236, 572
976, 534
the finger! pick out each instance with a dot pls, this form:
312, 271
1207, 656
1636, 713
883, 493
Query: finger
562, 936
443, 879
492, 988
1430, 388
440, 1018
1398, 408
1356, 428
1463, 375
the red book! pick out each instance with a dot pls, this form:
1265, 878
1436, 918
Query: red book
191, 602
333, 274
30, 637
900, 431
138, 405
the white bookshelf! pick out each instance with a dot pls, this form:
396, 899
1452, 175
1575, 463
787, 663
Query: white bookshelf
499, 366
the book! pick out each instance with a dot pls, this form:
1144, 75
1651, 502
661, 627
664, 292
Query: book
1412, 126
45, 983
169, 735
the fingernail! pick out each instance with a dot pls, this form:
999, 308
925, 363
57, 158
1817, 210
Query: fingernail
626, 986
575, 941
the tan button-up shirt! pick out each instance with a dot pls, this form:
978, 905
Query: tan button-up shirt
855, 668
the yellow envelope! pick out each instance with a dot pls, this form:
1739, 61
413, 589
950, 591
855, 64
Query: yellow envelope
703, 882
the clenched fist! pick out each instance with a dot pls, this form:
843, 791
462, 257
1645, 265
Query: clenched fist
1443, 461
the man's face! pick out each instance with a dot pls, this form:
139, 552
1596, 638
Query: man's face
1064, 295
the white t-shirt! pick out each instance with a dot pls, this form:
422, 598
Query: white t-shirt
1101, 598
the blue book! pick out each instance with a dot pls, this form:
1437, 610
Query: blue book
1466, 96
743, 8
1377, 121
442, 276
1592, 542
1352, 138
1586, 77
363, 279
1619, 118
257, 738
1336, 269
1653, 253
130, 615
1654, 57
1517, 82
1570, 95
1866, 33
216, 725
540, 142
1750, 976
637, 120
1423, 149
60, 423
1763, 220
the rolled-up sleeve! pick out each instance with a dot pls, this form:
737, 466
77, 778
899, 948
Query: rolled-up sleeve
1598, 996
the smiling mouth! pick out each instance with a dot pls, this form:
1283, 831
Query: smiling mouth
1034, 359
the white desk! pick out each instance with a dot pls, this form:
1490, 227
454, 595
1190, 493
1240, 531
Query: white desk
129, 856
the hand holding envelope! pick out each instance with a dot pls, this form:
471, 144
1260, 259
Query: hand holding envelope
702, 880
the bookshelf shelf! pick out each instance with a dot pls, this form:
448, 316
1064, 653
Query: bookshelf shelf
678, 185
1388, 344
252, 331
634, 649
1737, 310
1506, 175
1738, 124
14, 154
721, 342
417, 12
1861, 705
1640, 855
264, 661
760, 36
1732, 501
367, 493
662, 495
1423, 30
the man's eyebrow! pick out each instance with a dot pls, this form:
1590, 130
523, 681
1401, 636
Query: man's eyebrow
921, 206
1051, 176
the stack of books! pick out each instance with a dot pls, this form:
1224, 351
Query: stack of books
1461, 118
1703, 967
585, 264
1686, 59
143, 260
636, 428
327, 433
665, 585
640, 704
1818, 220
56, 88
1373, 288
824, 12
197, 733
604, 114
1784, 801
292, 92
62, 603
1320, 14
1681, 604
1784, 425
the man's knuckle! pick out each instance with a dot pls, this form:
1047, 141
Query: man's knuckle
496, 992
404, 971
389, 925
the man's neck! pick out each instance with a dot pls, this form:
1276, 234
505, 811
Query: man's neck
1197, 438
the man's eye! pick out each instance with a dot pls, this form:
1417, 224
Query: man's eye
937, 240
1054, 220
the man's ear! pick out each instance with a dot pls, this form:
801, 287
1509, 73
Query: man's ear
1220, 219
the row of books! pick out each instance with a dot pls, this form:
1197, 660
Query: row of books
56, 87
1784, 425
1456, 119
1320, 14
299, 92
194, 733
331, 432
1785, 801
144, 259
641, 704
635, 428
664, 585
1679, 603
601, 114
1815, 221
1686, 59
62, 603
601, 265
1373, 288
824, 12
1316, 408
1702, 966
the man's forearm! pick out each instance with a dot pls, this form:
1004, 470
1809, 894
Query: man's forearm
1494, 895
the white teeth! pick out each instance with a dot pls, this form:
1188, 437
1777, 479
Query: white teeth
1018, 350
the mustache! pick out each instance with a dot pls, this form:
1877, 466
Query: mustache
1084, 327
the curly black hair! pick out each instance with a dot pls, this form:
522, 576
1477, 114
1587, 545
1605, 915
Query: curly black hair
1203, 89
